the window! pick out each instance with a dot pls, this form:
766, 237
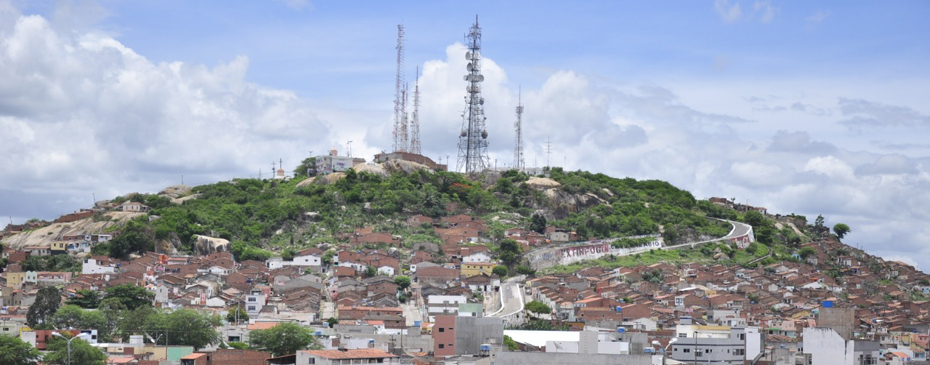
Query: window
686, 351
442, 330
682, 335
699, 353
312, 360
739, 352
442, 345
251, 299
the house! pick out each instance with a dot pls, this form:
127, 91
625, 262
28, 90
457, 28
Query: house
136, 207
470, 269
99, 265
354, 356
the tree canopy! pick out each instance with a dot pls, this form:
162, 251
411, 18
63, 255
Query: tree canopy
841, 230
131, 296
81, 352
402, 281
283, 339
14, 351
85, 299
538, 307
48, 299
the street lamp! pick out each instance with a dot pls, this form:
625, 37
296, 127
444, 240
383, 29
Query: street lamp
69, 342
665, 350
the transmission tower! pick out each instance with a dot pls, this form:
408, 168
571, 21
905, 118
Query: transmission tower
518, 142
400, 105
415, 121
473, 141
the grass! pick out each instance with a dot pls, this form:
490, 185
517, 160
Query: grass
687, 255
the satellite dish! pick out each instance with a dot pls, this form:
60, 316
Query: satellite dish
481, 101
470, 67
480, 78
463, 134
468, 55
484, 134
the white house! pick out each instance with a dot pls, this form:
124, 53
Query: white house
444, 304
479, 256
302, 260
254, 302
94, 266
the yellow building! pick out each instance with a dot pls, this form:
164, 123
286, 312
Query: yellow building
59, 247
477, 268
15, 279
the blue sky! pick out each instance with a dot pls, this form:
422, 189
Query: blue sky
806, 107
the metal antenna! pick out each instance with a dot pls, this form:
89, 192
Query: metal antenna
415, 121
400, 132
548, 151
349, 148
518, 129
473, 141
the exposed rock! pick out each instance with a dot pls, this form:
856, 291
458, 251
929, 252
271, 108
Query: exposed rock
329, 178
375, 169
206, 245
183, 199
562, 203
175, 191
306, 182
542, 183
401, 166
43, 237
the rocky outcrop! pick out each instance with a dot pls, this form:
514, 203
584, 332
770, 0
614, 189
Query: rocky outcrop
559, 203
43, 237
206, 245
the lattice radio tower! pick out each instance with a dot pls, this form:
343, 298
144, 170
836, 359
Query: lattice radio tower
400, 96
415, 120
473, 141
518, 163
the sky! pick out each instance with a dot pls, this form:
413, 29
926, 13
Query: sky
801, 107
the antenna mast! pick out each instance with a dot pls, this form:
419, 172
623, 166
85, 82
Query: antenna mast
473, 141
415, 122
518, 143
548, 151
400, 91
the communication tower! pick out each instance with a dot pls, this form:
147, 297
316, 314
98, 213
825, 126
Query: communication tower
518, 163
415, 120
400, 91
473, 141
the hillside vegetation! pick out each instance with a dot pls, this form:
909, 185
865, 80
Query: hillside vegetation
261, 216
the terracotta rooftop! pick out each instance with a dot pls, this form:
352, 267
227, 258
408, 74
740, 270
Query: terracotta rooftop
350, 354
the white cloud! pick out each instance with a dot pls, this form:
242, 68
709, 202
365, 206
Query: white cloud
80, 113
729, 13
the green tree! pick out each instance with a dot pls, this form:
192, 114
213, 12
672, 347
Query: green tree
237, 315
402, 281
308, 164
500, 271
332, 322
538, 307
131, 296
238, 345
841, 229
81, 352
283, 339
754, 218
14, 351
370, 271
48, 299
525, 270
819, 221
510, 343
85, 299
538, 223
509, 252
807, 252
135, 236
188, 327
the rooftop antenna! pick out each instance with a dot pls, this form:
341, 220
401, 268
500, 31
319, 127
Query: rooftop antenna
349, 148
400, 128
518, 129
473, 141
415, 121
273, 168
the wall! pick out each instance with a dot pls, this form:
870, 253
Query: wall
826, 347
471, 332
545, 358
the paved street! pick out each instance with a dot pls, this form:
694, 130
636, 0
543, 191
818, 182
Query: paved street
512, 294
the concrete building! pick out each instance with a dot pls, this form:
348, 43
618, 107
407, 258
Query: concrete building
590, 342
254, 302
457, 335
334, 163
824, 346
715, 344
444, 304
